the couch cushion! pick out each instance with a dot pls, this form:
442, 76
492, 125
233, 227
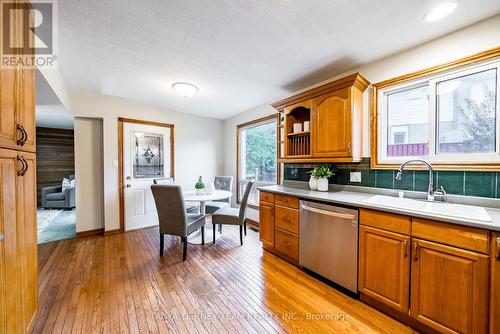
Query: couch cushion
55, 197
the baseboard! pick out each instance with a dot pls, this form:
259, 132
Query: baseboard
252, 223
97, 231
111, 232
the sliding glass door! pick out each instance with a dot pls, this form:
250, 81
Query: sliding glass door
257, 156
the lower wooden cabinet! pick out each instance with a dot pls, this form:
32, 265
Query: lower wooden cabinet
18, 249
495, 284
287, 243
266, 223
449, 288
384, 267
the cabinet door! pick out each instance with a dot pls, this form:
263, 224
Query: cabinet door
266, 224
26, 108
332, 122
10, 284
26, 193
495, 284
449, 288
8, 108
384, 267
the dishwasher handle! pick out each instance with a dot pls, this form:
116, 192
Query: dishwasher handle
329, 213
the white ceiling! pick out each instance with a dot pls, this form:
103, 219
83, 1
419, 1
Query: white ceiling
49, 111
240, 53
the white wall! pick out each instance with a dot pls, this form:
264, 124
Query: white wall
198, 143
90, 178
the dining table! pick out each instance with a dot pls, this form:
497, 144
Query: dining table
193, 196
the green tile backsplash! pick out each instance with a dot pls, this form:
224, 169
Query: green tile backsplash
482, 184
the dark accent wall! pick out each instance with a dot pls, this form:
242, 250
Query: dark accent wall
482, 184
55, 157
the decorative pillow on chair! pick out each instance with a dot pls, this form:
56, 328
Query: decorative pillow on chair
66, 184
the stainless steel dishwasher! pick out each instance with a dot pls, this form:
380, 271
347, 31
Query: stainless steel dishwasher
329, 242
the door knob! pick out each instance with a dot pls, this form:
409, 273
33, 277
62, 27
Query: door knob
128, 185
2, 237
128, 178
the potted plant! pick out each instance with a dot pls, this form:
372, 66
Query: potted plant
200, 187
319, 177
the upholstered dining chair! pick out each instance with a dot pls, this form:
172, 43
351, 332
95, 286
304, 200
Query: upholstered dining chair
173, 217
190, 207
220, 183
233, 216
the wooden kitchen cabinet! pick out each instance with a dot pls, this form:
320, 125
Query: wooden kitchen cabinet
10, 267
449, 288
28, 246
384, 267
26, 109
334, 111
332, 123
17, 105
495, 284
266, 223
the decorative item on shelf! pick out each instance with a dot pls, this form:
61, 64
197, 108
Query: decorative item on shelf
200, 187
321, 173
307, 126
210, 188
297, 127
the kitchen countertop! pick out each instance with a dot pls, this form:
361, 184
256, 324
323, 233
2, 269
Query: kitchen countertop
357, 199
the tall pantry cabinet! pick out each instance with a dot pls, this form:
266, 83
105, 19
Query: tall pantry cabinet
18, 234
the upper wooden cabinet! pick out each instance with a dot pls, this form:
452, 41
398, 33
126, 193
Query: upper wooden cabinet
332, 122
17, 109
334, 113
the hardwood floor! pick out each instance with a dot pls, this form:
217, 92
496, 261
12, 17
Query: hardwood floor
119, 283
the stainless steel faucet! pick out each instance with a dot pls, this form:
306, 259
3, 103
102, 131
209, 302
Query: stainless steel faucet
431, 193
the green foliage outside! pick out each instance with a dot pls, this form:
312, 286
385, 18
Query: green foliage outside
260, 151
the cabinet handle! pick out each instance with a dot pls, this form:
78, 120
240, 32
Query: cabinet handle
415, 249
405, 248
24, 167
349, 147
498, 248
24, 135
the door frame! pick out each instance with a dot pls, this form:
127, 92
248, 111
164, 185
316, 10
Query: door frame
121, 181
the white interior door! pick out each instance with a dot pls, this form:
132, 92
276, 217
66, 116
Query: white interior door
146, 156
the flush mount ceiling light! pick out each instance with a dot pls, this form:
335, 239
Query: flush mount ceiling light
440, 11
185, 89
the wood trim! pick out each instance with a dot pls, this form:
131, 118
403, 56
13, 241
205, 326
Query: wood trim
111, 232
121, 182
253, 223
314, 160
355, 79
97, 231
467, 166
242, 125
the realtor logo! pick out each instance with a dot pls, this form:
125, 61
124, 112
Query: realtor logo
29, 34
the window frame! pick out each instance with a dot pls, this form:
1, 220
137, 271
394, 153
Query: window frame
430, 77
241, 126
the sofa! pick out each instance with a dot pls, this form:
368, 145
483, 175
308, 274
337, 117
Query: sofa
56, 198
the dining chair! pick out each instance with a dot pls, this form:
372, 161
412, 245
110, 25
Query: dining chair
173, 217
220, 183
233, 216
190, 207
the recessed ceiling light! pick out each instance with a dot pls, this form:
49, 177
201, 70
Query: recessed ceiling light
441, 11
185, 89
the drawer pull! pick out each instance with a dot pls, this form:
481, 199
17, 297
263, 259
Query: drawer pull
415, 248
405, 248
287, 243
498, 248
